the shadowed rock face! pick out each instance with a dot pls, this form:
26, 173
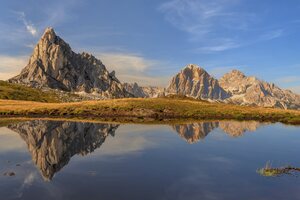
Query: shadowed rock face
252, 91
54, 65
194, 81
52, 144
192, 133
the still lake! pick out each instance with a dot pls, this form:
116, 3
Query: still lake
206, 160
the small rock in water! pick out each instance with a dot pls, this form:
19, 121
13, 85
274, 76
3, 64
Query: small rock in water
18, 165
9, 174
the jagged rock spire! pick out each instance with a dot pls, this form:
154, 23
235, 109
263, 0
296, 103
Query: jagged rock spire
54, 65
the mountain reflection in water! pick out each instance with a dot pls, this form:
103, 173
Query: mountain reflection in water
53, 143
194, 132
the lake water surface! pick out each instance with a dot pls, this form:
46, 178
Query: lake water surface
205, 160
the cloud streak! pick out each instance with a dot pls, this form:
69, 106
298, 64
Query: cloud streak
216, 25
122, 62
31, 29
132, 67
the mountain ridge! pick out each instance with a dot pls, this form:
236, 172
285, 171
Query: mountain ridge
54, 65
249, 90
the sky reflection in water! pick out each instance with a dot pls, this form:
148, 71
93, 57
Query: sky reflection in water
208, 160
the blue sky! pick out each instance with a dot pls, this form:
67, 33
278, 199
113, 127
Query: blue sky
148, 41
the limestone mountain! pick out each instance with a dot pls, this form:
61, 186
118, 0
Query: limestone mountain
195, 82
252, 91
143, 91
54, 65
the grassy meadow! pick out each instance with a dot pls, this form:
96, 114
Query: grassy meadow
12, 91
157, 109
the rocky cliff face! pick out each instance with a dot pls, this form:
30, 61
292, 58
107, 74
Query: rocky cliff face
233, 87
54, 65
143, 92
194, 81
252, 91
53, 143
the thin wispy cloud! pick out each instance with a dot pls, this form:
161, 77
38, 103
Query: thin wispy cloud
30, 27
216, 25
132, 67
203, 19
222, 46
196, 16
123, 63
58, 13
51, 15
273, 34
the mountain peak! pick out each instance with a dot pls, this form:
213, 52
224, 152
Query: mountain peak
49, 30
232, 76
195, 82
54, 65
193, 67
238, 73
49, 34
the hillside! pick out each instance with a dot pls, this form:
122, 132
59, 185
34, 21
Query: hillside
18, 92
147, 109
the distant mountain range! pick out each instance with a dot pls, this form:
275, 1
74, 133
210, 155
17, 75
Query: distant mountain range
234, 87
54, 65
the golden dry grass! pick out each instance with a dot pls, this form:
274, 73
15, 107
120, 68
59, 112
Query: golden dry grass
160, 108
13, 91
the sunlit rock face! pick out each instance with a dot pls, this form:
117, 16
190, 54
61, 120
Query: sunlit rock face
195, 132
143, 92
53, 143
194, 81
54, 65
252, 91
